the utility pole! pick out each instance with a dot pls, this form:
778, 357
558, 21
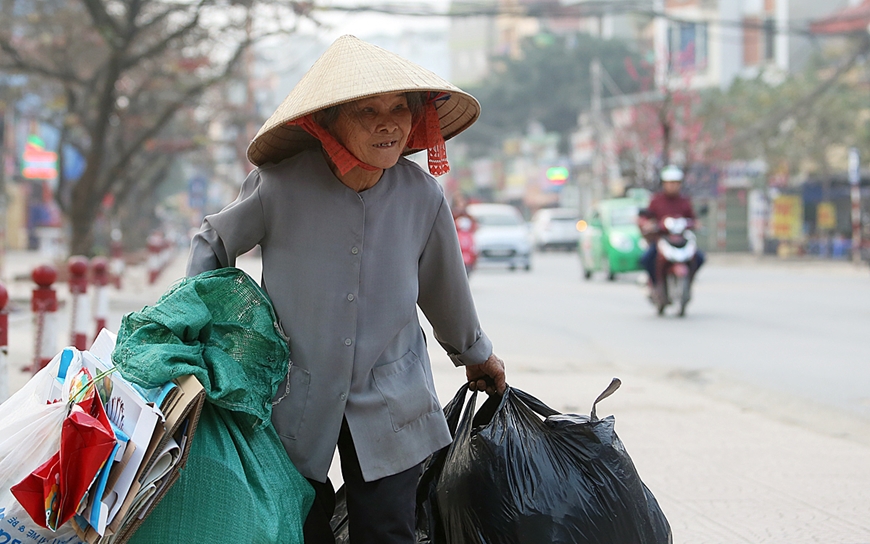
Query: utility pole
3, 199
855, 185
598, 169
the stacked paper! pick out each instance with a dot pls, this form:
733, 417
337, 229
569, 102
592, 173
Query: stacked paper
145, 443
154, 430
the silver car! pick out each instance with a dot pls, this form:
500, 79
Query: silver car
502, 235
555, 228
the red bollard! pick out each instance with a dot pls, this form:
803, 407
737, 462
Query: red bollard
4, 344
78, 288
155, 249
116, 264
100, 268
44, 308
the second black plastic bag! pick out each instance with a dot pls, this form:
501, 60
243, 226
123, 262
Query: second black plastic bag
520, 472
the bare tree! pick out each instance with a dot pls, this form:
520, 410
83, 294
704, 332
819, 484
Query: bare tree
115, 74
663, 125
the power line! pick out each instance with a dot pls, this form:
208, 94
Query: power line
591, 9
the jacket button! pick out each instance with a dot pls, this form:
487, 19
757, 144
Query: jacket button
348, 341
343, 396
350, 297
354, 250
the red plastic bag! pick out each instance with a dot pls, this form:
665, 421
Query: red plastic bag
51, 494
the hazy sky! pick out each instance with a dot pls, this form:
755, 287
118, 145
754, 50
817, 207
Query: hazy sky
369, 23
284, 61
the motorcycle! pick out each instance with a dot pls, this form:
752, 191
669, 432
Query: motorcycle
465, 228
676, 249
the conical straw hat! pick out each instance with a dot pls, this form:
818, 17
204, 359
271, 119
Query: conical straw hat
349, 70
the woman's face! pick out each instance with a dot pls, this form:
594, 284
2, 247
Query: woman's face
375, 129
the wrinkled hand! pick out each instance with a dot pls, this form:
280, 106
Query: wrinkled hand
492, 368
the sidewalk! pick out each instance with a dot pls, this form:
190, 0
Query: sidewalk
808, 262
728, 464
135, 293
19, 265
724, 473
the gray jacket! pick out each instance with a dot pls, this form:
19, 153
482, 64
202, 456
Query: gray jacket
345, 272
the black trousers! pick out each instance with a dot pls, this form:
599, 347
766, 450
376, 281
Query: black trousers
379, 512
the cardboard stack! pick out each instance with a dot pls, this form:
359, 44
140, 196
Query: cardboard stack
154, 429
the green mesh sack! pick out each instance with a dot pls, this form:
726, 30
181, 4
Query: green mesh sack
219, 326
238, 485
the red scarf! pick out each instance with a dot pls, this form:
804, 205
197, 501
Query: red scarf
425, 134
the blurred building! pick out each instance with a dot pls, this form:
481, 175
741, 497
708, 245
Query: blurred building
482, 35
715, 41
481, 32
703, 44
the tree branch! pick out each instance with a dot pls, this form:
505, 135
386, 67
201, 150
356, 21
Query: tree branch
103, 22
163, 44
21, 65
159, 165
115, 171
777, 118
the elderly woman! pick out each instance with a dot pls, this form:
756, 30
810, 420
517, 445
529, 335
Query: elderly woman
353, 238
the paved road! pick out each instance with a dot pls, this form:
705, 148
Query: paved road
801, 329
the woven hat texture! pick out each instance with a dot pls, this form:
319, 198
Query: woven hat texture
349, 70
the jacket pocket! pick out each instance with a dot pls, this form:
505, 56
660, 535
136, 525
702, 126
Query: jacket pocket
288, 414
404, 387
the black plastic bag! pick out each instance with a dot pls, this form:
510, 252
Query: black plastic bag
511, 477
518, 472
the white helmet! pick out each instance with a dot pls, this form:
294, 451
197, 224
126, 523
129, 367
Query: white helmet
671, 173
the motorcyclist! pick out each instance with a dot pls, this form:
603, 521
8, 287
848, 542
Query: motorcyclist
667, 203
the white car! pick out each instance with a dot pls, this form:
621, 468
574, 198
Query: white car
555, 228
502, 235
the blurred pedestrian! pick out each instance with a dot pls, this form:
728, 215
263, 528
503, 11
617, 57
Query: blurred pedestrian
466, 226
353, 238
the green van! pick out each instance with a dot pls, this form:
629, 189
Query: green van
611, 241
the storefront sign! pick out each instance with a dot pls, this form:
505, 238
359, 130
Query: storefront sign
826, 216
38, 163
786, 220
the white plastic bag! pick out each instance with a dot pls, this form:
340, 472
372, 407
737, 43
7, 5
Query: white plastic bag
29, 435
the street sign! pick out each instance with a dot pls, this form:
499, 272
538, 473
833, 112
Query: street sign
557, 175
197, 189
826, 216
38, 162
787, 216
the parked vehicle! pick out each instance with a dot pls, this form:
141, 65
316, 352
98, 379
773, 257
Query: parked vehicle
502, 235
611, 241
555, 228
676, 249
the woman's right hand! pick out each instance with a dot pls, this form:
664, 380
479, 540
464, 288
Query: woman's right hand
491, 368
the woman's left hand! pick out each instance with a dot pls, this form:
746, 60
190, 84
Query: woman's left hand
491, 368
